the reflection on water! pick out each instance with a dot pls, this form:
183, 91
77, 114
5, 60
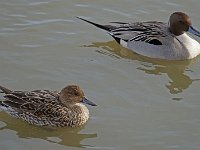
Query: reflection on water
63, 136
175, 70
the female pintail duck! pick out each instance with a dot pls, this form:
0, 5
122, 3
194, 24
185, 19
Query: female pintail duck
48, 108
157, 39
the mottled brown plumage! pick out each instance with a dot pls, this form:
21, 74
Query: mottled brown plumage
48, 108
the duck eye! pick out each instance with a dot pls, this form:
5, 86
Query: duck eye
181, 22
76, 94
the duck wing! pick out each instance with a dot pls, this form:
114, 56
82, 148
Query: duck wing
31, 102
149, 32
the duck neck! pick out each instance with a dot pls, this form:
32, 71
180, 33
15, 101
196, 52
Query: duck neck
191, 46
79, 109
80, 114
176, 31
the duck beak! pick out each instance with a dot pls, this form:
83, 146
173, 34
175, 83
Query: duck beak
86, 101
194, 31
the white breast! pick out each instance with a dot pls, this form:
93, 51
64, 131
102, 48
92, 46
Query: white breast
190, 45
173, 48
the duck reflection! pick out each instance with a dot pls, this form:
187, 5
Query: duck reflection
64, 136
175, 70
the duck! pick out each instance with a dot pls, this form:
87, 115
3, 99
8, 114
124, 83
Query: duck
48, 108
155, 39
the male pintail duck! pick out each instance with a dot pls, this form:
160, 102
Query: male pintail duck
157, 39
48, 108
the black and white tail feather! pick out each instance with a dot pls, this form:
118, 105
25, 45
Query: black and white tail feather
148, 32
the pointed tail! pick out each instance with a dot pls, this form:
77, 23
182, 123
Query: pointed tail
104, 27
5, 90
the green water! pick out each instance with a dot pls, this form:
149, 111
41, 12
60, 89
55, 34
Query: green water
143, 104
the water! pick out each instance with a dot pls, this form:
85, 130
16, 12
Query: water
143, 103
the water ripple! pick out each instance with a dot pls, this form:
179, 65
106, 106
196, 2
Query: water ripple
117, 12
37, 3
30, 45
30, 22
17, 15
81, 5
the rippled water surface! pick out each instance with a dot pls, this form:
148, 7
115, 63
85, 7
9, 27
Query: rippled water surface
143, 103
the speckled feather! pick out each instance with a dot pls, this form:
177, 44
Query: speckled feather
43, 107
